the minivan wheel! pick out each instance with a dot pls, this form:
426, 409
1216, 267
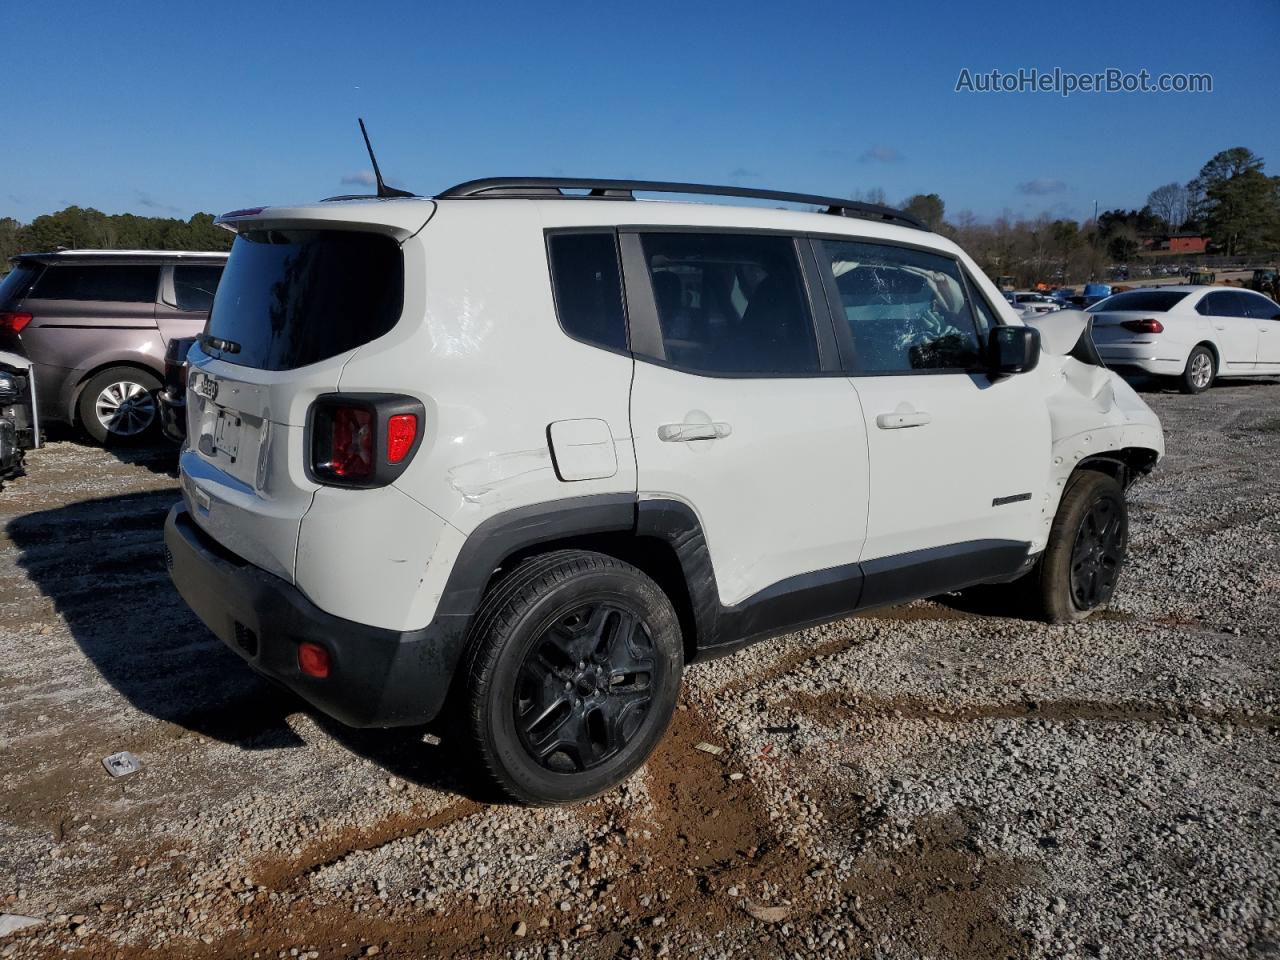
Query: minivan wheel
1199, 372
573, 672
119, 405
1081, 564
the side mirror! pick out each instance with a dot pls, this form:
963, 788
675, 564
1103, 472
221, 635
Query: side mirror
1012, 350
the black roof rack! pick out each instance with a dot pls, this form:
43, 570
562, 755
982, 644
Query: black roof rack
542, 188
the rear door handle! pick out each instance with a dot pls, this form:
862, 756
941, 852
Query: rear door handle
684, 432
901, 420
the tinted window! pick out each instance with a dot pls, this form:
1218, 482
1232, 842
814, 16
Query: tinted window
117, 283
194, 287
14, 285
588, 288
1148, 301
1222, 303
1260, 307
292, 297
906, 309
731, 304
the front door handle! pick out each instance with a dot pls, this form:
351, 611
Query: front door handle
899, 420
684, 432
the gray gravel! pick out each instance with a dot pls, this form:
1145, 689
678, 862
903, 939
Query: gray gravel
925, 782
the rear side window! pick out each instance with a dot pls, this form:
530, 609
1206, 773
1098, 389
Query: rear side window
288, 298
731, 304
588, 288
110, 282
194, 287
906, 309
1148, 301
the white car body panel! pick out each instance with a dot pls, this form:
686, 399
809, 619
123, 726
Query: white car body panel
804, 480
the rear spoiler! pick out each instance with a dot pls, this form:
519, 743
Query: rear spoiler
401, 218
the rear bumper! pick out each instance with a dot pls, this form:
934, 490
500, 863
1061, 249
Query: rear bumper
1148, 357
173, 416
377, 677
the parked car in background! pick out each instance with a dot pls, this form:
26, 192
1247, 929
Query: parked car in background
19, 413
173, 395
436, 455
95, 324
1194, 333
1032, 303
1094, 292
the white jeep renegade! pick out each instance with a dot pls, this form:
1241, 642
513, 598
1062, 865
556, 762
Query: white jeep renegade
536, 449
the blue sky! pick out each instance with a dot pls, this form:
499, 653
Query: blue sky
166, 109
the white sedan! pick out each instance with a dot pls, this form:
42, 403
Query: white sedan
1194, 333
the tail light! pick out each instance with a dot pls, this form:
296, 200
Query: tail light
1143, 326
363, 439
13, 322
313, 660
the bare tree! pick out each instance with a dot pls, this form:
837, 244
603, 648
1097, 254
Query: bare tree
1169, 203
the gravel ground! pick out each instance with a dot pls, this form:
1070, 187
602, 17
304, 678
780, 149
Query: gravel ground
929, 781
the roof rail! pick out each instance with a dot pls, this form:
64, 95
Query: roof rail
542, 188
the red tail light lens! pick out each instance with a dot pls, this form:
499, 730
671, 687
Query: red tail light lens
350, 447
313, 660
1143, 326
402, 430
13, 322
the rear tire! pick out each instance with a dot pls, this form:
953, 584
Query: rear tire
1200, 372
1081, 565
572, 675
118, 406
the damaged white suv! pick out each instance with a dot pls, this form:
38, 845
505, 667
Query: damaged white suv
532, 446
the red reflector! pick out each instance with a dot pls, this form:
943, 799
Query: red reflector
14, 322
313, 660
1143, 326
351, 447
402, 430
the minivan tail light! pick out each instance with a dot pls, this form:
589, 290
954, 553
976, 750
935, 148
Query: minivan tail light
362, 439
13, 322
1143, 326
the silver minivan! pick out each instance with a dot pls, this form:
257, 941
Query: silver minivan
95, 323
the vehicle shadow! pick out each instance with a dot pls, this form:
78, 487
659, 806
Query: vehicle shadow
101, 562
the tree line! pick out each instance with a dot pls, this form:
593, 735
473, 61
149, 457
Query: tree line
1232, 201
84, 227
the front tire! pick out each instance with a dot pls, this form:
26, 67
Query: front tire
1200, 372
1081, 564
573, 672
118, 406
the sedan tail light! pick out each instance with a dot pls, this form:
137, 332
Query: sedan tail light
1143, 326
363, 439
13, 322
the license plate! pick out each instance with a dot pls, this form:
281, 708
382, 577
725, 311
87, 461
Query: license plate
219, 433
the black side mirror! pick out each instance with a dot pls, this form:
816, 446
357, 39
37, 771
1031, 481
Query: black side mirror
1012, 350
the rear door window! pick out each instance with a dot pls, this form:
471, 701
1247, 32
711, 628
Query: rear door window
112, 283
194, 287
906, 309
731, 304
289, 298
1221, 303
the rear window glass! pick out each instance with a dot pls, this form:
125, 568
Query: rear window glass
194, 287
117, 283
1149, 301
293, 297
14, 284
588, 288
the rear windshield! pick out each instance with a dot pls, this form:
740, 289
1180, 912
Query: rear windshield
1148, 301
293, 297
14, 284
